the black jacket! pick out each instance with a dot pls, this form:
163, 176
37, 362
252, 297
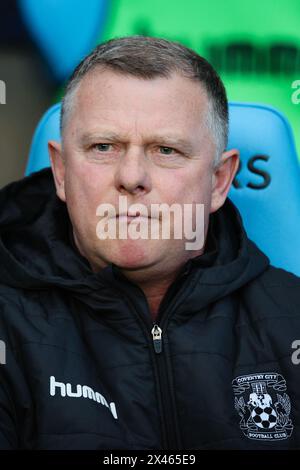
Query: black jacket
85, 370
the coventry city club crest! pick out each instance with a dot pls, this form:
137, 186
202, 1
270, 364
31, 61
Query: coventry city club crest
264, 412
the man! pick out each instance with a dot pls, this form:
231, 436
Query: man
127, 342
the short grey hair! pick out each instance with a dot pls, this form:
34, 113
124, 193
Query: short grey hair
147, 58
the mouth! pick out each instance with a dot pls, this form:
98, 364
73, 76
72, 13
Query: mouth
131, 217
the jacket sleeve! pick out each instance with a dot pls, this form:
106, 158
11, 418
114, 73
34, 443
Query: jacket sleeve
13, 392
15, 404
8, 431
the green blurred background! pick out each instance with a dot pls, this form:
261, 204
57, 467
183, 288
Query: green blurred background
254, 45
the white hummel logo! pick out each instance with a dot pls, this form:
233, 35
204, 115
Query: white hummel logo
81, 391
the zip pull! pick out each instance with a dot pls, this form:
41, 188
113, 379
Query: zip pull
157, 341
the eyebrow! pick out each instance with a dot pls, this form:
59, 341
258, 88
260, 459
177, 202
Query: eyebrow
174, 141
167, 139
89, 137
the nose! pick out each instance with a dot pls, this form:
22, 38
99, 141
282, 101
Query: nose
132, 174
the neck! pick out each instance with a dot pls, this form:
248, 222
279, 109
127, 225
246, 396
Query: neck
154, 295
154, 282
154, 289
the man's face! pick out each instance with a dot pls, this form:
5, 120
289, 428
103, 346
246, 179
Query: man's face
143, 139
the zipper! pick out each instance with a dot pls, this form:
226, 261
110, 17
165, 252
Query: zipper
162, 360
170, 427
172, 439
157, 338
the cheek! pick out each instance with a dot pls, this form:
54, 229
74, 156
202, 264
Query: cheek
84, 190
192, 186
85, 185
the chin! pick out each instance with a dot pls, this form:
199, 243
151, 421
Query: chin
133, 254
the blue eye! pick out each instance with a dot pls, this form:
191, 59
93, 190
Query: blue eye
166, 150
102, 147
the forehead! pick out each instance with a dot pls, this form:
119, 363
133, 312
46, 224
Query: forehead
106, 98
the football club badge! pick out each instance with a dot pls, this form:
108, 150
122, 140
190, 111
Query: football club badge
263, 405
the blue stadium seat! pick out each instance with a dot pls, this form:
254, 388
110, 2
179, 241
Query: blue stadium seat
266, 190
47, 129
267, 187
65, 31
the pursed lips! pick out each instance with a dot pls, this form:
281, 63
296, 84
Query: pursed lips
129, 217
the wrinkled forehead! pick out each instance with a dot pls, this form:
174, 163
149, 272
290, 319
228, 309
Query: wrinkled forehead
103, 95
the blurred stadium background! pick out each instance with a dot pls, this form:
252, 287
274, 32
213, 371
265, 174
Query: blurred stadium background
255, 46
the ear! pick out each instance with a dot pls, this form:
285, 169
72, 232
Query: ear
58, 168
222, 178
